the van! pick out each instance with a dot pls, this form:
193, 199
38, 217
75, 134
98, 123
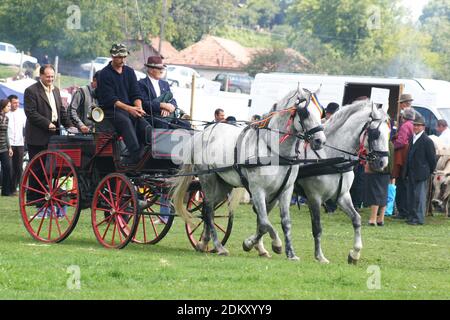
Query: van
431, 97
10, 56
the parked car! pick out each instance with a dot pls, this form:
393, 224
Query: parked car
179, 76
236, 82
99, 63
10, 56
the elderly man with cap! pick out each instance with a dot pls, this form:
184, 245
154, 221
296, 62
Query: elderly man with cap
420, 164
121, 99
401, 145
157, 97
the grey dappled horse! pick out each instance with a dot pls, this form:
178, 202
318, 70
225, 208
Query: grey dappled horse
222, 146
345, 130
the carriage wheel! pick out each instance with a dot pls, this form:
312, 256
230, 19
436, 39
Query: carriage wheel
222, 221
153, 227
49, 197
115, 213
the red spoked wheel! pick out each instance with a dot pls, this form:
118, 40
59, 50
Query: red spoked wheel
49, 197
223, 220
157, 217
115, 211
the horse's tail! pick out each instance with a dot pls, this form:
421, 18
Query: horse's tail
235, 198
180, 187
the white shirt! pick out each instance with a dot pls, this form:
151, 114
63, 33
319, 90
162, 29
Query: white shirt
445, 137
16, 125
155, 84
417, 136
51, 99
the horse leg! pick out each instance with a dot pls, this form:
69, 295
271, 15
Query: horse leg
314, 210
285, 202
446, 207
263, 225
202, 245
262, 252
211, 230
345, 202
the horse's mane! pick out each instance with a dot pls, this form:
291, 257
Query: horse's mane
285, 102
343, 114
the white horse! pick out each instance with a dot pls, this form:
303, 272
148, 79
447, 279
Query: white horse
356, 125
251, 157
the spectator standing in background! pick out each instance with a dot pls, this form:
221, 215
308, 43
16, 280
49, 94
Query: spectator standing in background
16, 131
442, 128
219, 115
421, 162
5, 149
401, 146
376, 190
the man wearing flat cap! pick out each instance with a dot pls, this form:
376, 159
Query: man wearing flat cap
120, 97
157, 97
420, 165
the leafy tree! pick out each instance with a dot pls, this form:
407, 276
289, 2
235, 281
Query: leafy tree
277, 60
260, 13
436, 23
194, 18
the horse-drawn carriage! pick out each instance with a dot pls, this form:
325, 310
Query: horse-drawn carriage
132, 203
128, 203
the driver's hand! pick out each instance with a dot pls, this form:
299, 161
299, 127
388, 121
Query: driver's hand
84, 129
167, 107
165, 113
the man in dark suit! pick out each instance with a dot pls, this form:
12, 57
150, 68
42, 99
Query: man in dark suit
45, 115
157, 97
44, 110
420, 164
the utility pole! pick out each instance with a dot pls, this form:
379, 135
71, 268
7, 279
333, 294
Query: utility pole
163, 22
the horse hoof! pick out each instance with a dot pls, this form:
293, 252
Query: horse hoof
246, 247
200, 247
223, 252
265, 255
277, 250
350, 260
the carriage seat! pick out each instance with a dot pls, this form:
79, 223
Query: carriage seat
166, 143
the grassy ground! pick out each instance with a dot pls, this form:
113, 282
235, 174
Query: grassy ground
413, 263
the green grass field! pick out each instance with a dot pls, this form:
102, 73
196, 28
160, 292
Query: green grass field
414, 263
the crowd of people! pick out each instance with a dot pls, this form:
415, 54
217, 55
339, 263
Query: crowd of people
135, 105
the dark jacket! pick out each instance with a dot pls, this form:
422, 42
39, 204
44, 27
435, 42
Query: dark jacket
39, 114
421, 160
149, 102
114, 86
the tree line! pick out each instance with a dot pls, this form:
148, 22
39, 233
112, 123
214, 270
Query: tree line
365, 37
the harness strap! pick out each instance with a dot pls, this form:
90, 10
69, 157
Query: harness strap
339, 187
280, 190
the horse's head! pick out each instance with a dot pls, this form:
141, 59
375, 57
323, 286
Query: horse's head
308, 118
377, 139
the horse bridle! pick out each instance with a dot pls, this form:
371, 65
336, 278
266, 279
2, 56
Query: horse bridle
303, 114
372, 135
